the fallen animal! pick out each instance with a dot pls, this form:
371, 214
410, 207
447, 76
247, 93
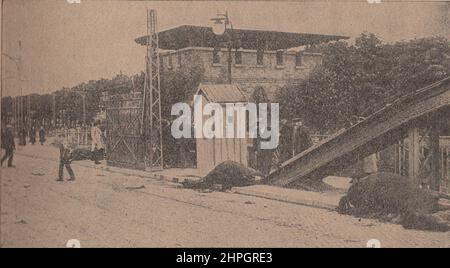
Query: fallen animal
227, 174
387, 196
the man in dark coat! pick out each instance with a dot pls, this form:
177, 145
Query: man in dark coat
32, 135
23, 136
42, 135
65, 158
9, 145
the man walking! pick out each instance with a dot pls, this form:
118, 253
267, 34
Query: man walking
32, 135
9, 145
42, 135
65, 159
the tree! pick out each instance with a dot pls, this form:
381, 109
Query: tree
359, 79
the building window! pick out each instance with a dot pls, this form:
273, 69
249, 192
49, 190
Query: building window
179, 59
280, 57
170, 62
238, 57
298, 59
259, 57
216, 55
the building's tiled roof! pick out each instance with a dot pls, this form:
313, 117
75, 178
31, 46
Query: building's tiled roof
222, 93
199, 36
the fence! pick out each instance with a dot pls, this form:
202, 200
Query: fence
79, 136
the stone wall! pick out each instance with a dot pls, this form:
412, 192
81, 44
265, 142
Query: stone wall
247, 75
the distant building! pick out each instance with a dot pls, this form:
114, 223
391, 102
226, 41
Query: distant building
267, 59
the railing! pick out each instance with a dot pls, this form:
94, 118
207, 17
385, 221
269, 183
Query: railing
79, 136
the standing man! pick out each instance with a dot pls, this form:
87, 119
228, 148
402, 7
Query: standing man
9, 145
32, 135
42, 135
97, 146
23, 136
65, 156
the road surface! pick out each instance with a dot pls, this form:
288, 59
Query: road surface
109, 209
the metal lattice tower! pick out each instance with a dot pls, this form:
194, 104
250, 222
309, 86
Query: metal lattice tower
152, 124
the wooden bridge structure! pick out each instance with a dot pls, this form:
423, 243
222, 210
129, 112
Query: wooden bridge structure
403, 120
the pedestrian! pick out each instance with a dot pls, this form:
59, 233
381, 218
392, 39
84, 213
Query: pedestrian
42, 135
65, 158
32, 135
9, 145
97, 146
23, 136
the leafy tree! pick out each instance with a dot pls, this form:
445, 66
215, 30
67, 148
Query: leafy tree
357, 80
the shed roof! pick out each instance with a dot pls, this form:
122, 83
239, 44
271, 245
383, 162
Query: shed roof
221, 93
199, 36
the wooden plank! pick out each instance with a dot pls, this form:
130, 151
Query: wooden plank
435, 155
413, 154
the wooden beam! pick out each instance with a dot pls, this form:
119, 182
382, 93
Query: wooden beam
380, 130
413, 154
435, 154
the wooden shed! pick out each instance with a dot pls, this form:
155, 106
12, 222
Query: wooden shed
213, 151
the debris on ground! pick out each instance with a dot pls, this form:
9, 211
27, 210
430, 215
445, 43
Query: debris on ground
225, 176
388, 196
135, 187
37, 174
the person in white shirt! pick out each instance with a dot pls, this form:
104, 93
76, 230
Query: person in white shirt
97, 146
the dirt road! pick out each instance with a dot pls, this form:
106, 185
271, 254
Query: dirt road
108, 209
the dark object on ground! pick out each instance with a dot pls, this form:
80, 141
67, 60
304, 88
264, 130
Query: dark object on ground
79, 154
135, 187
228, 174
383, 195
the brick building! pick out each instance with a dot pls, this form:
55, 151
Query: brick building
268, 59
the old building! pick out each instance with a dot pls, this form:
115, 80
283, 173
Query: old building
267, 59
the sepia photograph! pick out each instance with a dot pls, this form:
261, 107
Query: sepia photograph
225, 124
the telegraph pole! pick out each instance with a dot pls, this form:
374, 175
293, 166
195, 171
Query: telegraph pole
151, 118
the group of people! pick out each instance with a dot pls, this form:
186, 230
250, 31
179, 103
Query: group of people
32, 135
68, 151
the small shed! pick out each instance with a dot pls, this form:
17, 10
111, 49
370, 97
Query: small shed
213, 151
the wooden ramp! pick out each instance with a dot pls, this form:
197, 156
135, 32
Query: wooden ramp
380, 130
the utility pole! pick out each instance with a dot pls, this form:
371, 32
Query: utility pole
151, 117
221, 22
54, 110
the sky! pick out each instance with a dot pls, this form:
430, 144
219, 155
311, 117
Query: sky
63, 44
